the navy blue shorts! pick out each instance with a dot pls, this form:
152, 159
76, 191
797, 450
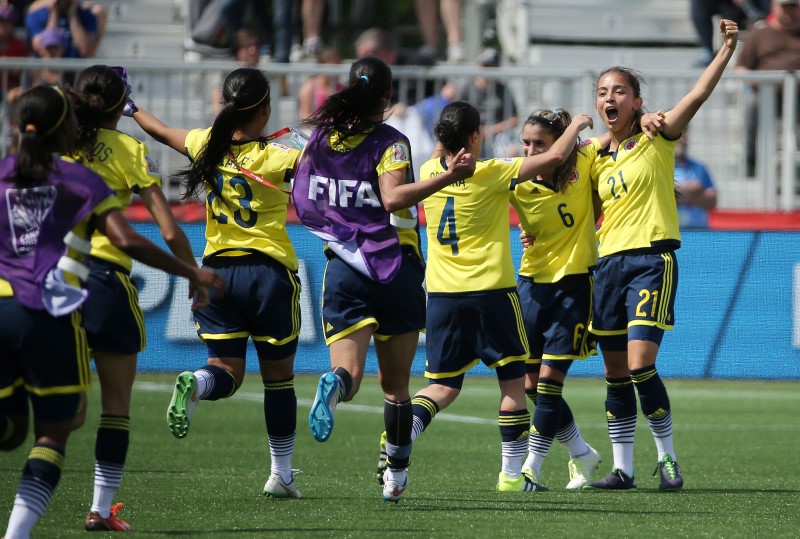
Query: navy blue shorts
262, 301
465, 328
50, 356
632, 290
112, 317
557, 317
351, 300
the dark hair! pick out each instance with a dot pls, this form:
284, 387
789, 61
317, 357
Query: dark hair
350, 112
98, 97
635, 80
457, 122
555, 122
41, 114
244, 91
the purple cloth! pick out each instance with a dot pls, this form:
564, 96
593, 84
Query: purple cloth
338, 198
35, 219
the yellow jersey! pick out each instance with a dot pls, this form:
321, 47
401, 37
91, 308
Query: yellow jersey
469, 245
127, 167
249, 216
561, 222
636, 185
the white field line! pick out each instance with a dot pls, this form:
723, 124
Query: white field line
349, 407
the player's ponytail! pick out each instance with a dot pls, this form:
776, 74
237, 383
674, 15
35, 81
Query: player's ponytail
42, 113
98, 97
457, 123
352, 111
555, 122
244, 92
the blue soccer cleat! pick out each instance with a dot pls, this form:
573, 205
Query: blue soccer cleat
321, 417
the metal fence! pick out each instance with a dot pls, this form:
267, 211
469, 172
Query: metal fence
756, 110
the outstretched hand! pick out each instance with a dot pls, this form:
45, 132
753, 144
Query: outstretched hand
730, 33
462, 164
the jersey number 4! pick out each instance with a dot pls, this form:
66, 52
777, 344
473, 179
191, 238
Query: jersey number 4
447, 233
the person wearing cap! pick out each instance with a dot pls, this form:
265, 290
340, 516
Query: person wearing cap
496, 104
775, 46
10, 47
51, 46
80, 23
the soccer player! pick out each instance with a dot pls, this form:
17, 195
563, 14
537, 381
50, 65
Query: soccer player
474, 311
112, 316
355, 189
244, 179
555, 289
637, 273
50, 205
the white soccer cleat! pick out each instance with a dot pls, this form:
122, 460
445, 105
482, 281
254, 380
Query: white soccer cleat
276, 488
582, 468
392, 490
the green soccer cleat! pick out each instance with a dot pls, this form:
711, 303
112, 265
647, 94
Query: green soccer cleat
671, 478
581, 469
382, 459
523, 483
181, 407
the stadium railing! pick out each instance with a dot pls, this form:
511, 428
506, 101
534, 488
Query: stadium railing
180, 94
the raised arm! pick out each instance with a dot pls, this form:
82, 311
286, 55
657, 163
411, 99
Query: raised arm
678, 118
173, 137
558, 152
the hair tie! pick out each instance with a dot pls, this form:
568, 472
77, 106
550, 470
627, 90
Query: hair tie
118, 103
555, 111
366, 78
30, 128
63, 113
257, 103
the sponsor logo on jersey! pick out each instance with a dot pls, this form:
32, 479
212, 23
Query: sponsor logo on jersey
280, 146
342, 193
152, 167
505, 159
400, 152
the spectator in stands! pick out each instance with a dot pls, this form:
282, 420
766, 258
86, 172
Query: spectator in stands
246, 47
317, 88
10, 47
82, 25
744, 12
451, 13
51, 46
311, 13
496, 104
696, 193
775, 46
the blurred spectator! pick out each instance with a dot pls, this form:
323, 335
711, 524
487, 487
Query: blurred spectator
82, 25
430, 108
775, 46
51, 46
497, 107
10, 47
696, 192
246, 47
451, 13
317, 88
312, 12
744, 12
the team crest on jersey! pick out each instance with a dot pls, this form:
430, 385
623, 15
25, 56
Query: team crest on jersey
280, 146
400, 152
575, 176
28, 208
584, 143
631, 144
152, 167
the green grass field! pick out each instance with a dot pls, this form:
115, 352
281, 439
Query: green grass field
736, 442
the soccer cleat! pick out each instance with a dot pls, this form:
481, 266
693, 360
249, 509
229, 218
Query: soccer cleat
181, 407
581, 469
671, 478
523, 483
96, 523
321, 417
382, 464
616, 480
392, 490
276, 488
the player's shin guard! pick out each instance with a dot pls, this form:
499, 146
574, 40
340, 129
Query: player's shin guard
110, 451
280, 416
397, 419
621, 415
424, 410
514, 425
655, 405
